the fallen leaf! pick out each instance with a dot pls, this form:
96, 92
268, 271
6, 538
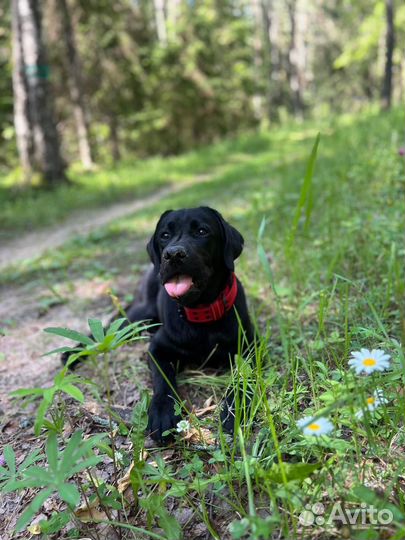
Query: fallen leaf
209, 401
34, 529
199, 436
205, 410
93, 407
125, 481
90, 513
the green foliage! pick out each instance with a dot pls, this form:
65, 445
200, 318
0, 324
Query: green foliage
102, 342
365, 43
305, 202
62, 465
64, 383
218, 70
153, 505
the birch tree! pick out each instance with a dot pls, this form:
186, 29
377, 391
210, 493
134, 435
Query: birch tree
75, 84
389, 53
34, 114
22, 119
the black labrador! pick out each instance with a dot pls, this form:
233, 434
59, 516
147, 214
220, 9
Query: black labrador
193, 292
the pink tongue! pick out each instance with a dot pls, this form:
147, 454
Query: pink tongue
178, 286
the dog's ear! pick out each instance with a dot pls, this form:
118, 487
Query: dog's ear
152, 247
233, 241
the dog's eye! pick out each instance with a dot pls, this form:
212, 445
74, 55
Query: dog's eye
202, 232
165, 236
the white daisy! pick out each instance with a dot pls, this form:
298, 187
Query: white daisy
372, 402
315, 426
368, 361
183, 426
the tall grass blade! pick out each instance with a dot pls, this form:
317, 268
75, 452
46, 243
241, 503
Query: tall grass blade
306, 200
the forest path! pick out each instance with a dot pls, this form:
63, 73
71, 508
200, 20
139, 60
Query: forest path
22, 320
34, 244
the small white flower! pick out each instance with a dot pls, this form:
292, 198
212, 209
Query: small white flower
119, 456
315, 426
372, 402
183, 426
368, 361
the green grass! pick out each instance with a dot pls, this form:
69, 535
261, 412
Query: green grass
326, 277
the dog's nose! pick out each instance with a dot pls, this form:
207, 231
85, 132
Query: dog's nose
174, 253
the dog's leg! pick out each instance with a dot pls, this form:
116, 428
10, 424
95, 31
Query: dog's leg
233, 399
162, 416
239, 396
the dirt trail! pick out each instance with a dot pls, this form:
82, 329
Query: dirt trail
22, 340
34, 244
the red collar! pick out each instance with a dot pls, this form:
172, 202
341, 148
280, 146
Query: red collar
217, 310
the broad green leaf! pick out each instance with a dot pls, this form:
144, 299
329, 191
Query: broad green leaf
179, 489
293, 471
73, 357
69, 493
170, 525
116, 325
52, 452
49, 394
85, 448
122, 334
30, 459
61, 350
15, 485
70, 449
70, 334
89, 462
32, 509
9, 456
239, 528
96, 327
60, 377
55, 523
73, 391
23, 392
39, 473
41, 412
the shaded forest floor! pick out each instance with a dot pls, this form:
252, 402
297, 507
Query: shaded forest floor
326, 276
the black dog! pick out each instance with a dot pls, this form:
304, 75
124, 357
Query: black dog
193, 292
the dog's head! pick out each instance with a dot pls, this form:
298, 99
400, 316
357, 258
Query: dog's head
191, 248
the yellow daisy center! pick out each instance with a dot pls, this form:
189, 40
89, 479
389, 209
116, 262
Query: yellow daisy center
314, 427
370, 400
369, 362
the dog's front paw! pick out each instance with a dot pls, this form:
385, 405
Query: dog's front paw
227, 414
161, 417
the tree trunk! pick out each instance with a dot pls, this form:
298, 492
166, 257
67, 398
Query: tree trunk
269, 54
76, 85
160, 20
292, 71
47, 156
22, 120
389, 52
114, 138
258, 54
